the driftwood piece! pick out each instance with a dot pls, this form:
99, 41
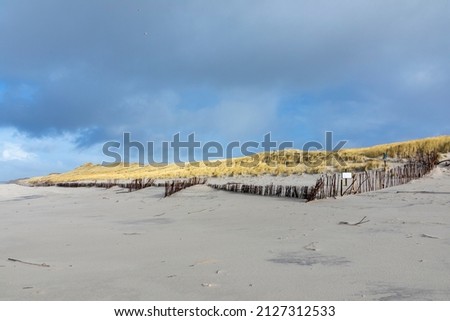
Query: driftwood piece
28, 263
429, 236
355, 224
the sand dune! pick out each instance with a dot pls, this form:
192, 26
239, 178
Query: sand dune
203, 244
276, 163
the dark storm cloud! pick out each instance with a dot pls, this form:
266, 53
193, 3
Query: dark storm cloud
109, 66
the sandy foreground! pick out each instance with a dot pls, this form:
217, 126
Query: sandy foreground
203, 244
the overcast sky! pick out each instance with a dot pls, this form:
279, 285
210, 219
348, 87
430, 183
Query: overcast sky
75, 74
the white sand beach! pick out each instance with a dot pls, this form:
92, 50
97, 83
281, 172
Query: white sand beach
204, 244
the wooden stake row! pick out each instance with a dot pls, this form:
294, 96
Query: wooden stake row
133, 185
328, 185
333, 185
172, 187
300, 192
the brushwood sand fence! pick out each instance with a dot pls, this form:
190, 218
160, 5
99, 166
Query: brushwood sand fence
132, 185
171, 187
328, 185
333, 185
300, 192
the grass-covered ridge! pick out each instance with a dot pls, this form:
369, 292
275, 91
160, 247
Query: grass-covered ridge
275, 163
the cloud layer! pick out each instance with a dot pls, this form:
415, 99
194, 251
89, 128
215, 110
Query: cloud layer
372, 71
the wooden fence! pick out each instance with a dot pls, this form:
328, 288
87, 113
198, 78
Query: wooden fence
328, 185
300, 192
133, 185
333, 185
172, 187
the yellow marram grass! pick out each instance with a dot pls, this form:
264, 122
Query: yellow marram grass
286, 162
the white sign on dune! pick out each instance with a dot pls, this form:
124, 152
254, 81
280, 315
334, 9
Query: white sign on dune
346, 175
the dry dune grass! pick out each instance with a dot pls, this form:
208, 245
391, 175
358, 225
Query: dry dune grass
440, 144
286, 162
